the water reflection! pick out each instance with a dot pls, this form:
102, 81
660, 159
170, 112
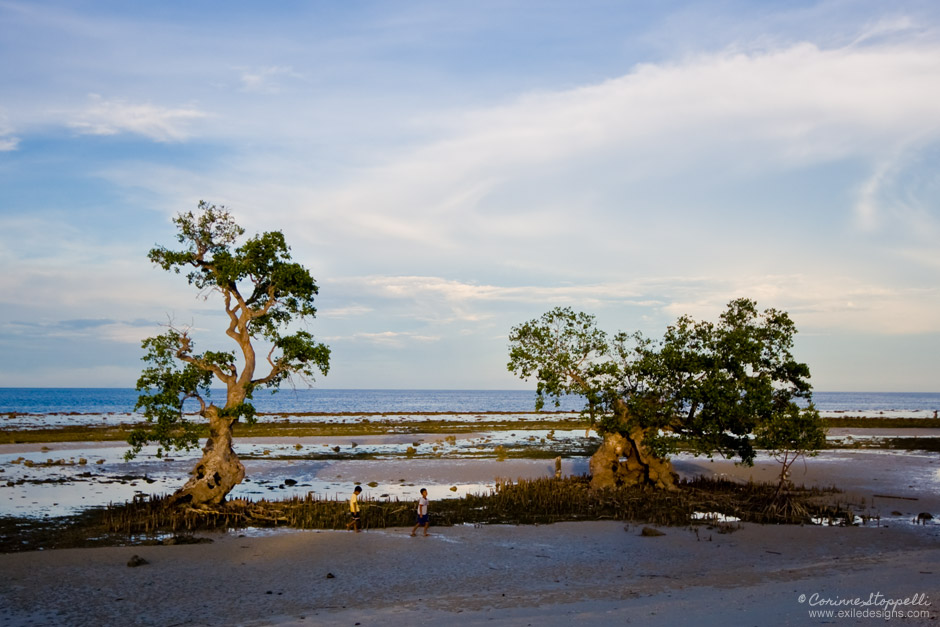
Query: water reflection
65, 479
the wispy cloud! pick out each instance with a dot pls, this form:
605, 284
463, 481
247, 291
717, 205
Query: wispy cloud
819, 302
111, 117
350, 311
454, 291
890, 27
8, 140
266, 80
902, 192
120, 331
443, 187
395, 339
520, 170
836, 304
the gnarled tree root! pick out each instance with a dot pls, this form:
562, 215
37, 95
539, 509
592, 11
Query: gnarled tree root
624, 461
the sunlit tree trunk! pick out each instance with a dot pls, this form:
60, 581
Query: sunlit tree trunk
622, 460
218, 471
264, 293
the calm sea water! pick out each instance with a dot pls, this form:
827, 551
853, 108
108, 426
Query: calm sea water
120, 400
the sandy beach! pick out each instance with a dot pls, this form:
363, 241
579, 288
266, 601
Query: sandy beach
602, 572
593, 573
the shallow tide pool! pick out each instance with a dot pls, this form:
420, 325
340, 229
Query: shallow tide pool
61, 479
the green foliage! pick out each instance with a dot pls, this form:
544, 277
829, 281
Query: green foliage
705, 387
565, 352
790, 435
168, 385
263, 292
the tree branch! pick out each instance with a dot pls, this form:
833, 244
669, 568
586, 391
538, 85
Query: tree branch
275, 372
182, 353
271, 301
198, 397
233, 319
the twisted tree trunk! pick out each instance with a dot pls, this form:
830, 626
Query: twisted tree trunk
218, 471
622, 460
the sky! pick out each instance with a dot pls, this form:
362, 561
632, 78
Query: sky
448, 170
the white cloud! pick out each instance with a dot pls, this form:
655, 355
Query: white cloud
125, 333
517, 183
434, 199
65, 375
902, 193
393, 339
350, 311
889, 27
526, 168
801, 104
841, 304
867, 207
111, 117
84, 275
817, 302
8, 141
460, 300
265, 80
120, 332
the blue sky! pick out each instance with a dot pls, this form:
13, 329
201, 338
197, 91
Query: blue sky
448, 170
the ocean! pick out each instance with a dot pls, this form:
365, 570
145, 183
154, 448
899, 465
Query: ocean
122, 400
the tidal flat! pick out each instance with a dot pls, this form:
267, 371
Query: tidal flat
59, 464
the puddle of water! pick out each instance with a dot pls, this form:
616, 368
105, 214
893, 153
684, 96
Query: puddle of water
714, 517
483, 443
58, 483
66, 480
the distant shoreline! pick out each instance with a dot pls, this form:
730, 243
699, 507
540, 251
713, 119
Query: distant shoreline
333, 401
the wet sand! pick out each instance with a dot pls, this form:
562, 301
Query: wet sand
591, 573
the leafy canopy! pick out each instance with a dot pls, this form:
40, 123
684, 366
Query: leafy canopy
264, 295
705, 387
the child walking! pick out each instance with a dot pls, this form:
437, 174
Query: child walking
354, 510
423, 516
